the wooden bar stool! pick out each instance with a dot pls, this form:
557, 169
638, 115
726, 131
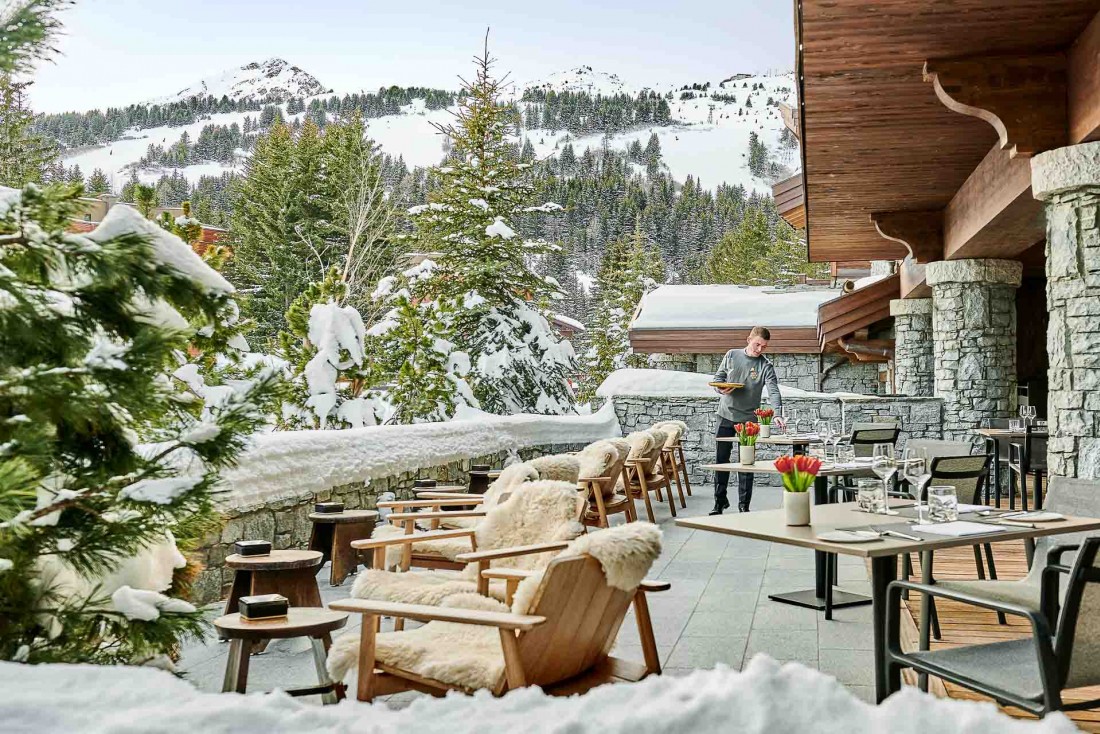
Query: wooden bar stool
244, 635
292, 573
332, 535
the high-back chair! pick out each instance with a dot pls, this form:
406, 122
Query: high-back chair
864, 436
602, 464
557, 634
643, 469
1029, 673
1027, 457
672, 456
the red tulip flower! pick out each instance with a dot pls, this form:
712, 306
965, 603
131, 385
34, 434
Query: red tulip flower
747, 433
798, 472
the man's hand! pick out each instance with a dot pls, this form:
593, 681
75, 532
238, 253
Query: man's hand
725, 390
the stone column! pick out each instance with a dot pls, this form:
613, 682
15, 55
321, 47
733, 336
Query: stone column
1068, 180
913, 359
974, 341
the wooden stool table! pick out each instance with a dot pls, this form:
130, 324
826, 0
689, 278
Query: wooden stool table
292, 573
244, 635
332, 535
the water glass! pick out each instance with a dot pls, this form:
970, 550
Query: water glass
870, 496
845, 454
1015, 425
943, 504
816, 451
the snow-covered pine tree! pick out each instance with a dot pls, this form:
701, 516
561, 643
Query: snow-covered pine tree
485, 267
631, 267
25, 156
93, 520
98, 183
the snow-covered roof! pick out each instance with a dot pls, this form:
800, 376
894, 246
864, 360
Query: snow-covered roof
758, 700
566, 321
674, 384
730, 307
290, 463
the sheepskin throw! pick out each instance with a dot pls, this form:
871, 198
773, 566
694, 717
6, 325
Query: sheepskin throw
559, 467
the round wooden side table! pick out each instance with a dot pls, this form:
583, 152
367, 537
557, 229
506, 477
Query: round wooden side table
245, 635
332, 535
292, 573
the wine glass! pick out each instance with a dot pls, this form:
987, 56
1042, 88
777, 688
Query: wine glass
838, 436
1030, 414
825, 433
916, 470
884, 465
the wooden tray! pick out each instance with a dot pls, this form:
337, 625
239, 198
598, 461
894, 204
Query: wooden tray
724, 385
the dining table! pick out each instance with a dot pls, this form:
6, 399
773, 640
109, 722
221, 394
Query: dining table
796, 442
881, 551
823, 596
993, 437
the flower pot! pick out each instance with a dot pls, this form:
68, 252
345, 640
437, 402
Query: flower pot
796, 507
765, 430
747, 454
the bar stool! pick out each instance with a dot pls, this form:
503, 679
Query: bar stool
244, 635
332, 535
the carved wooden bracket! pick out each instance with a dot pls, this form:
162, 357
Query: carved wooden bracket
920, 231
1022, 97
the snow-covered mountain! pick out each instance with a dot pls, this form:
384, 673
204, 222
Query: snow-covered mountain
707, 140
273, 79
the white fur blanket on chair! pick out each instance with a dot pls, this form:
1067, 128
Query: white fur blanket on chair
469, 656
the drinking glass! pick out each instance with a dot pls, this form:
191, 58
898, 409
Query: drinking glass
1014, 425
883, 464
869, 496
825, 433
916, 469
943, 504
846, 454
1029, 418
1023, 411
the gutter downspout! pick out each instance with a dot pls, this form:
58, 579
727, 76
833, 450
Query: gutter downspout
824, 372
857, 347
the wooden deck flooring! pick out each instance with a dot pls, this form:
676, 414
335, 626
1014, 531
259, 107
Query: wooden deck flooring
962, 624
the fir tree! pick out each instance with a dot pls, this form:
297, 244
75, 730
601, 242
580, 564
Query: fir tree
519, 365
762, 250
631, 267
98, 183
25, 156
145, 199
758, 156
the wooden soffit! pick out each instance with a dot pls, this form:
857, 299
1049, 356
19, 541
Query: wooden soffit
790, 202
875, 136
856, 310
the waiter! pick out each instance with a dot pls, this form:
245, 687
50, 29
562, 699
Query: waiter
752, 369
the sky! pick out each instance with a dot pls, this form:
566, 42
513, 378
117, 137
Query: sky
115, 52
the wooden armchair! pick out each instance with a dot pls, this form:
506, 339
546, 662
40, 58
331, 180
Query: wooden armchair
557, 635
643, 469
672, 460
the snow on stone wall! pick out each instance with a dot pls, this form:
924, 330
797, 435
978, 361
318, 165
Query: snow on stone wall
764, 699
797, 370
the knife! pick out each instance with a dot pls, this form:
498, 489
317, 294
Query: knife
896, 534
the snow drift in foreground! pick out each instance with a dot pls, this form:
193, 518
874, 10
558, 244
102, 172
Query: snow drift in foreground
289, 463
764, 699
674, 384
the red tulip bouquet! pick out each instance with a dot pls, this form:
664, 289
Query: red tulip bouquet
747, 433
764, 415
798, 472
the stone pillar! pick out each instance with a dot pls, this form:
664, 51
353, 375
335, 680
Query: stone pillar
1068, 180
913, 359
974, 341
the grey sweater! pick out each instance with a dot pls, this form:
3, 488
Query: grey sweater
754, 373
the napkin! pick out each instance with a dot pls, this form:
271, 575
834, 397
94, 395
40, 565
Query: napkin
957, 529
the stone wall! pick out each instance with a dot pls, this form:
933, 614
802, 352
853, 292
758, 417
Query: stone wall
795, 370
919, 417
285, 522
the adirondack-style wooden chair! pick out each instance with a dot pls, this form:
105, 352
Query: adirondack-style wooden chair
672, 456
558, 634
643, 469
603, 500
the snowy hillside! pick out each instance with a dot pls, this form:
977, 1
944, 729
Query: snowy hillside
707, 140
273, 79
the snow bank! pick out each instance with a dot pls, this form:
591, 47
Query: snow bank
764, 699
729, 307
289, 463
673, 384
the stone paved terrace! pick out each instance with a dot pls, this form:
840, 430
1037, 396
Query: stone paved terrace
717, 611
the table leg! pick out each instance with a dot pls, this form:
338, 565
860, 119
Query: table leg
345, 559
925, 613
319, 662
822, 596
884, 569
997, 472
242, 586
236, 667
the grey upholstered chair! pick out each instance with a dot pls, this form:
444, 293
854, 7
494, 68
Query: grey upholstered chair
1029, 673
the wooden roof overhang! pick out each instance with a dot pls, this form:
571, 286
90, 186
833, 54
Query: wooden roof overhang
790, 201
918, 119
857, 310
785, 340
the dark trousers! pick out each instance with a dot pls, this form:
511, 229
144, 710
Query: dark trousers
722, 478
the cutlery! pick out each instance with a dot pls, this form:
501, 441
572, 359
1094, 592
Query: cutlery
896, 534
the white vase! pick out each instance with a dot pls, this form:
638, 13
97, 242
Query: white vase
747, 454
796, 507
765, 430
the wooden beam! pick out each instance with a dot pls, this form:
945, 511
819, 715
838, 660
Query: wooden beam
913, 283
920, 231
1022, 96
993, 214
1084, 85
